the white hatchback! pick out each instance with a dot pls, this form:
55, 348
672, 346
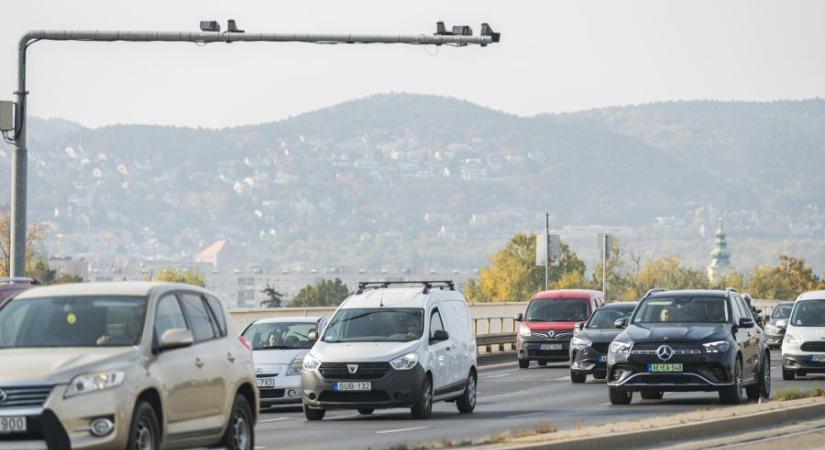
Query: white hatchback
803, 349
278, 346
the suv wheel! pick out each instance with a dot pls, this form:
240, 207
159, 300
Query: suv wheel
240, 434
620, 396
523, 363
577, 376
313, 414
788, 375
762, 388
365, 411
144, 431
467, 402
732, 395
423, 406
652, 395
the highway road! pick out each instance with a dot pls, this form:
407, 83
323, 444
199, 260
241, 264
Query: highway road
509, 399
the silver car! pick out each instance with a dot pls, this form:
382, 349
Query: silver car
278, 346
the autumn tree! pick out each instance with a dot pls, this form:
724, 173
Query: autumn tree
665, 273
784, 281
173, 275
323, 293
34, 239
618, 281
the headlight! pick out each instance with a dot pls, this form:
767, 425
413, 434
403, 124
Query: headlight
791, 340
405, 362
310, 363
782, 323
717, 346
295, 366
91, 382
770, 329
620, 347
524, 330
580, 343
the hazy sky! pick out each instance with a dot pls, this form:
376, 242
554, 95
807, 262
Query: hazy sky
555, 56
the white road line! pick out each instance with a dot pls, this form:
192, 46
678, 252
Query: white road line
279, 419
518, 416
561, 378
500, 375
399, 430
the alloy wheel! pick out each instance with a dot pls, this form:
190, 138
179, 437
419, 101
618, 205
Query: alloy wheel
240, 431
471, 390
144, 439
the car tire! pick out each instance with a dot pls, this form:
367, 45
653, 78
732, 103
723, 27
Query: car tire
144, 431
365, 411
523, 363
732, 395
762, 388
652, 395
423, 406
788, 375
620, 396
467, 402
312, 414
577, 376
240, 433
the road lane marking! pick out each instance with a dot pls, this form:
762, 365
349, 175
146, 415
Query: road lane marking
500, 375
561, 378
279, 419
399, 430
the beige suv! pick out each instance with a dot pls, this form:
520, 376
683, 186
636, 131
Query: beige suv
132, 365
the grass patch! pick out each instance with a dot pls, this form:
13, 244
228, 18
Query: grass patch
794, 393
498, 438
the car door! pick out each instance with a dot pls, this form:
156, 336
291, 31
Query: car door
212, 359
747, 338
439, 353
458, 329
176, 368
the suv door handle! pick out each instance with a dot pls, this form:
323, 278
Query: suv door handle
230, 357
198, 362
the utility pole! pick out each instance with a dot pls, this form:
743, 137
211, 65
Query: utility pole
604, 266
547, 251
210, 32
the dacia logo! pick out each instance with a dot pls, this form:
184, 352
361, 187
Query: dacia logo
664, 352
352, 368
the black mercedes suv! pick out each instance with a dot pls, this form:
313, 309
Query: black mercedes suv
591, 339
689, 341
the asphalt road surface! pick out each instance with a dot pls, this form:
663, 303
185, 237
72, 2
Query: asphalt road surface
509, 399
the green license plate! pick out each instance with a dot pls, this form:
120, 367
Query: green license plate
664, 368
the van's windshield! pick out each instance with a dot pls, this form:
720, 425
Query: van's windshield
809, 313
557, 310
375, 325
88, 321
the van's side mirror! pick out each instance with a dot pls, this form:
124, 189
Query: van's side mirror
746, 322
176, 338
312, 336
518, 317
621, 323
440, 335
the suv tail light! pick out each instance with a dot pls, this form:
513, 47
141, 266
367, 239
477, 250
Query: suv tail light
245, 342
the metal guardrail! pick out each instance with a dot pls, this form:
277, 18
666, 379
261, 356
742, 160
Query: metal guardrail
495, 334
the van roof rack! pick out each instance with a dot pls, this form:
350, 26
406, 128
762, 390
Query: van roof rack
20, 280
441, 284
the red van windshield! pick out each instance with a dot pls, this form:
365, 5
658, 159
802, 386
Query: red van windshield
557, 310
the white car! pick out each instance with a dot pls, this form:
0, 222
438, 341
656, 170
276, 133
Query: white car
391, 347
803, 349
278, 347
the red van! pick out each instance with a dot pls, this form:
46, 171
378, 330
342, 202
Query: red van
547, 326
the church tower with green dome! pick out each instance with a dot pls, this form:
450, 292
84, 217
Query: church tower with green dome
720, 266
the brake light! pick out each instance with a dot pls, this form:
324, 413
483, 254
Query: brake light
245, 342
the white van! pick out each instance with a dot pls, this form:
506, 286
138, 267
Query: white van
390, 346
803, 349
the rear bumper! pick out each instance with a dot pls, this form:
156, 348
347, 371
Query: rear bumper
397, 388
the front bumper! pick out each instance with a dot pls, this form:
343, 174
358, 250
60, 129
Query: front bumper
63, 424
803, 361
287, 389
530, 349
588, 360
708, 372
396, 388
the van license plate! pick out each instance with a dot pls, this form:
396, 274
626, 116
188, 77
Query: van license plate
817, 358
550, 347
14, 424
265, 382
352, 386
664, 368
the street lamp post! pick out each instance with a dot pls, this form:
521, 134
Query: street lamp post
459, 36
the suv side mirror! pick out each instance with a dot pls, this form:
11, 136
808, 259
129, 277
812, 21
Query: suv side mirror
440, 335
518, 317
621, 323
312, 336
579, 326
746, 322
176, 338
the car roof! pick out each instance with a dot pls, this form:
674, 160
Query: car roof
812, 295
396, 297
690, 293
306, 319
126, 288
619, 305
566, 293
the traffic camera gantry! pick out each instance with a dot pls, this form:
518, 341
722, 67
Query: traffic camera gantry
13, 114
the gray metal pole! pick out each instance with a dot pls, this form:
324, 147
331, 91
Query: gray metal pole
547, 251
19, 151
604, 266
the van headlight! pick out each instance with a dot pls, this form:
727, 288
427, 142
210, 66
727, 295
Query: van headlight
620, 348
717, 346
791, 340
93, 382
524, 330
310, 363
405, 362
295, 366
